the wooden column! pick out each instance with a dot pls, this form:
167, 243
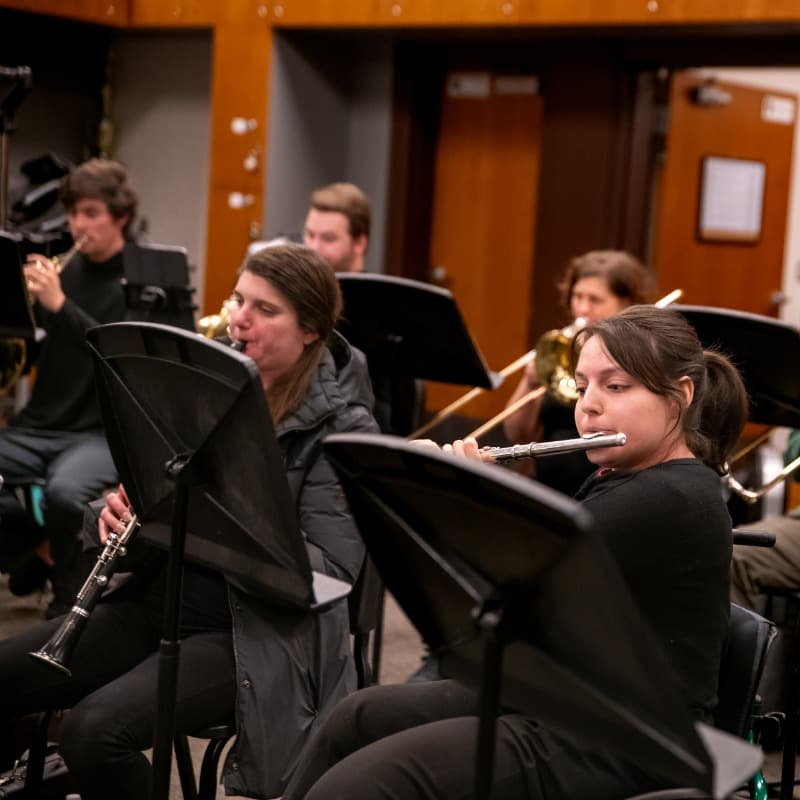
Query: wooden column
239, 96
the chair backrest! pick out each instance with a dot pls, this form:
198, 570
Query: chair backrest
743, 657
365, 606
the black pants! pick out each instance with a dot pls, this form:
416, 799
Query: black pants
418, 740
112, 691
76, 467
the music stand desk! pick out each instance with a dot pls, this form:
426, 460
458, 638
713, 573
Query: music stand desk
156, 285
192, 439
510, 586
411, 328
765, 350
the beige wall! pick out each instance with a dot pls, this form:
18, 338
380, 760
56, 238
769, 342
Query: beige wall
161, 112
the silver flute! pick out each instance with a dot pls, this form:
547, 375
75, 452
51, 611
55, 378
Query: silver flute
537, 449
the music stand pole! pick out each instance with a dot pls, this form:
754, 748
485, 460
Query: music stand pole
169, 650
488, 621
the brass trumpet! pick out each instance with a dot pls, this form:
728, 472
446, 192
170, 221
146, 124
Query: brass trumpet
13, 350
59, 263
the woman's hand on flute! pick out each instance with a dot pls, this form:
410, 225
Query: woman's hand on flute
116, 514
464, 448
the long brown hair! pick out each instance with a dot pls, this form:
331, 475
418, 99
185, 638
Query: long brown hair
310, 286
626, 276
657, 346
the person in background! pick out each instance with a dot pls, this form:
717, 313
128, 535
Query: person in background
754, 569
337, 226
58, 436
596, 285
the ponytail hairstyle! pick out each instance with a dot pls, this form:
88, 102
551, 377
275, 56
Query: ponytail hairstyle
658, 347
309, 284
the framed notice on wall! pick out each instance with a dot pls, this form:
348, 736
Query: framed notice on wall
731, 199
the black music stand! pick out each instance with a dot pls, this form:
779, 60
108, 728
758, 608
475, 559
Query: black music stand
16, 314
191, 436
412, 328
408, 330
766, 352
486, 563
156, 285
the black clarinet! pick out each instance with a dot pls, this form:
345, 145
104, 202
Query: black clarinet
58, 649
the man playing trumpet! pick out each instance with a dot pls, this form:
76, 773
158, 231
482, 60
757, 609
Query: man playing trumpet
58, 436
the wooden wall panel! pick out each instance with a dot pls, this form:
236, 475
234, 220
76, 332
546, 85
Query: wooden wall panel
191, 13
105, 12
402, 13
465, 13
168, 13
240, 81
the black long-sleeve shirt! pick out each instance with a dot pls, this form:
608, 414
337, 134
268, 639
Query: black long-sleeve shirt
64, 397
669, 531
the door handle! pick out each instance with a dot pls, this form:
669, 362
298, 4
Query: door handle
778, 298
438, 276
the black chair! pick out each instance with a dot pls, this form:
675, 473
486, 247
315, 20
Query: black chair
788, 721
746, 646
365, 607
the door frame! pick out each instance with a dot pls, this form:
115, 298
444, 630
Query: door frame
621, 136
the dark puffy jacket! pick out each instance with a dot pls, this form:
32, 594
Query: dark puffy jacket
293, 666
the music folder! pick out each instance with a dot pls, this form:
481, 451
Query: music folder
512, 589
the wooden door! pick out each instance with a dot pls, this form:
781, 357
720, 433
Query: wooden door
484, 210
746, 132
